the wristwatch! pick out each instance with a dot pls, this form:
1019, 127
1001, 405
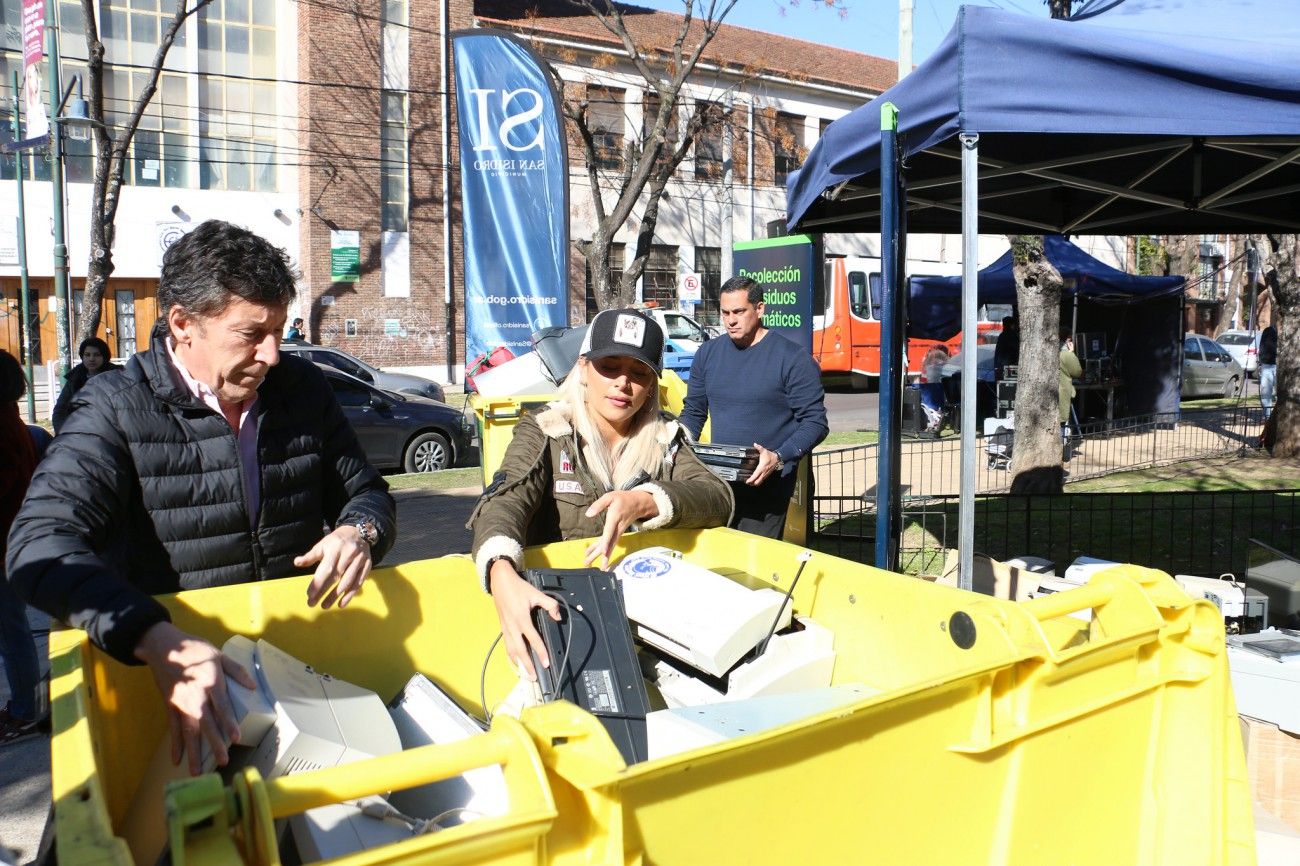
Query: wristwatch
369, 534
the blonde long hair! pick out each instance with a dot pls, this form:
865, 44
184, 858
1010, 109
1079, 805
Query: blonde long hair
641, 451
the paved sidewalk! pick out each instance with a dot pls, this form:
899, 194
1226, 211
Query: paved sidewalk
429, 523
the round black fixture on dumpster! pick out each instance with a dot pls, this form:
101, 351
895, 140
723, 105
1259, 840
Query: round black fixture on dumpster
961, 628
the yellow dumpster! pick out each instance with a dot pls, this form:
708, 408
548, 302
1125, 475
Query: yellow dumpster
986, 731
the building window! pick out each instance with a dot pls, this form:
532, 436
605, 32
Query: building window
606, 122
161, 151
238, 121
790, 152
395, 12
708, 144
659, 280
615, 274
1211, 278
708, 264
394, 153
821, 126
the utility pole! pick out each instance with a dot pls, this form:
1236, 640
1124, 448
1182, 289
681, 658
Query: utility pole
904, 38
56, 182
24, 288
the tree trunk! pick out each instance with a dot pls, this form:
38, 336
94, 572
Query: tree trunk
1036, 449
111, 151
1286, 306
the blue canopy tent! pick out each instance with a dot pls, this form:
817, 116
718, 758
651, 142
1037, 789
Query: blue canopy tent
1134, 116
1145, 335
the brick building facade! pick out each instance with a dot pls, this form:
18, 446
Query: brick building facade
351, 112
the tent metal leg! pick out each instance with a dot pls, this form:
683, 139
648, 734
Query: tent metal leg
969, 354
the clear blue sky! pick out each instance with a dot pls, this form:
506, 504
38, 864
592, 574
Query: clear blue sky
869, 26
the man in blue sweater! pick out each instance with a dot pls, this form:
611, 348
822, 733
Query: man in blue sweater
757, 387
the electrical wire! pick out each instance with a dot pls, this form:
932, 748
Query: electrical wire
378, 807
762, 646
482, 681
564, 661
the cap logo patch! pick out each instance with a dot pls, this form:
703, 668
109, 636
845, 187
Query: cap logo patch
629, 330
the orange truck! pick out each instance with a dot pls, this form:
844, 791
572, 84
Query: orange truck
846, 319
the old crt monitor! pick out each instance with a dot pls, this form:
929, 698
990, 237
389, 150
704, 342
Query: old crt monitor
698, 616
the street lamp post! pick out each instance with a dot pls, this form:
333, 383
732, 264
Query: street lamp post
24, 286
56, 182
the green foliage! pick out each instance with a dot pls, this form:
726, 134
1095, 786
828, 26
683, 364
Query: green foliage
1152, 258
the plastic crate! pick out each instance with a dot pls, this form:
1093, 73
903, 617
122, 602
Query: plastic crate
990, 731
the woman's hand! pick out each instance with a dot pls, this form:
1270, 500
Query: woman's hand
515, 599
622, 508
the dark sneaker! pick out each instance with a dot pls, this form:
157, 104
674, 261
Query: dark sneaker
13, 729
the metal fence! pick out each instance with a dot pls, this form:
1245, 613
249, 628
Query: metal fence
846, 477
1188, 532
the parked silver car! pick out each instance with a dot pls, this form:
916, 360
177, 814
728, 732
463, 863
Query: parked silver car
1208, 369
402, 383
1243, 346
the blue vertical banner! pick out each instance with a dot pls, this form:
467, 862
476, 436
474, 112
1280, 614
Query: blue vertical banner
514, 192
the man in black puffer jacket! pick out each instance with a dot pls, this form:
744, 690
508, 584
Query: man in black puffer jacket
209, 461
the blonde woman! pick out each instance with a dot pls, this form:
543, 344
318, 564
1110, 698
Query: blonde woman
601, 459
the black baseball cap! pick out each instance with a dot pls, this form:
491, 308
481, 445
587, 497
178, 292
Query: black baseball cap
630, 333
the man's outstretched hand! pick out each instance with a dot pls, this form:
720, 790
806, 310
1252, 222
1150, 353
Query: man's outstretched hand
191, 675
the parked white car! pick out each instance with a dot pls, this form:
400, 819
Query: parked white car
683, 330
1243, 346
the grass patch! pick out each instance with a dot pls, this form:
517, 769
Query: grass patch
447, 479
1194, 404
1251, 472
847, 438
455, 399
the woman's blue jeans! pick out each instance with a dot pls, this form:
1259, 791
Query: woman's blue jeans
19, 650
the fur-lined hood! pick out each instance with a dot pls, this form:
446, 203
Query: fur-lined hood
556, 421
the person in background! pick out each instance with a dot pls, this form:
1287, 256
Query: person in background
594, 463
1268, 369
1006, 351
932, 364
1070, 369
94, 354
21, 717
211, 460
757, 387
295, 331
932, 397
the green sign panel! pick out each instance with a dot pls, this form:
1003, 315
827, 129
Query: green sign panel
788, 269
345, 256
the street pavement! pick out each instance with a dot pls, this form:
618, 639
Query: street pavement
852, 411
430, 523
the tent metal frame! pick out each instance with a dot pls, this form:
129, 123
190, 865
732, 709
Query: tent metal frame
1048, 172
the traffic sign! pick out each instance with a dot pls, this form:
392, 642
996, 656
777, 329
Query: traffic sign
688, 287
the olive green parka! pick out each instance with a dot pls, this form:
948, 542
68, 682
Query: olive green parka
543, 489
